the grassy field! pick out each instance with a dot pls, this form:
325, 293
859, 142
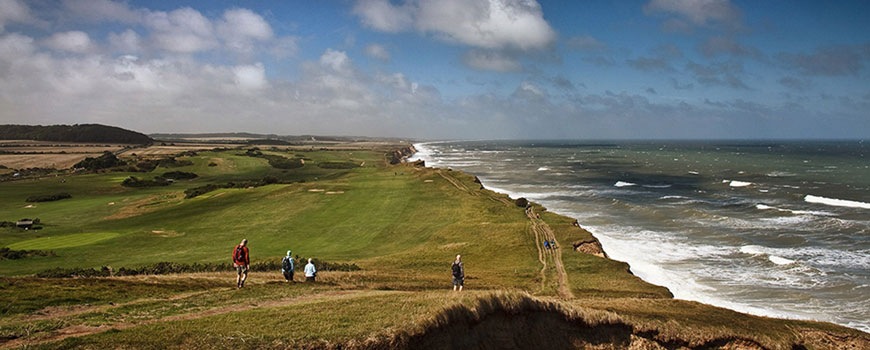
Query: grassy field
401, 224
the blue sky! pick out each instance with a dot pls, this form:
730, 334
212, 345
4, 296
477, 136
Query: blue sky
443, 69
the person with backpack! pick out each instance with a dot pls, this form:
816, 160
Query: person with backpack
458, 273
287, 267
242, 262
310, 271
546, 244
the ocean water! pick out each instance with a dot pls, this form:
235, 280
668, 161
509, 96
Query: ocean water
769, 228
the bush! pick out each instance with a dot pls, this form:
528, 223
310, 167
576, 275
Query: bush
133, 181
48, 197
171, 162
201, 190
522, 202
162, 268
9, 254
107, 160
337, 165
279, 162
179, 175
212, 164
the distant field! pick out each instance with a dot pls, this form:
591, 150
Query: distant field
49, 154
57, 161
158, 150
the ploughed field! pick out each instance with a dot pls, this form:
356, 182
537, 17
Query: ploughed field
400, 226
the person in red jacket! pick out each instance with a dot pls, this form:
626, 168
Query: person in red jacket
241, 261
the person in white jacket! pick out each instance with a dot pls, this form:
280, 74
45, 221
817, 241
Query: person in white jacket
310, 271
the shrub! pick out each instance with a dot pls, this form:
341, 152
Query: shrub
9, 254
162, 268
201, 190
212, 164
171, 162
107, 160
337, 165
48, 197
179, 175
133, 181
279, 162
522, 202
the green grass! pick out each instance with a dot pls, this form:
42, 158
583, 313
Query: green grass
402, 224
67, 241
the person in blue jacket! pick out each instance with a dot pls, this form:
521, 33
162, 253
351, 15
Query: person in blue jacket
288, 266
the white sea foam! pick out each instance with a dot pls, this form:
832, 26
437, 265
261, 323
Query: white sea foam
735, 183
779, 260
673, 197
694, 172
624, 184
543, 168
657, 186
796, 212
780, 174
836, 202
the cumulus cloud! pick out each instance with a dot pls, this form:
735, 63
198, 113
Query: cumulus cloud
698, 12
127, 41
491, 61
14, 11
72, 41
240, 29
184, 30
842, 60
720, 45
585, 43
377, 51
718, 74
650, 64
489, 24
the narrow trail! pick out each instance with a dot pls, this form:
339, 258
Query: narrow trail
458, 184
540, 229
82, 330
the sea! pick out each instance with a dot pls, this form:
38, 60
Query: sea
769, 228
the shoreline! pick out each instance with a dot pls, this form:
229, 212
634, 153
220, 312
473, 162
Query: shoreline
708, 300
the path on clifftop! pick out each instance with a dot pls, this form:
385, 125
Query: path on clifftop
541, 230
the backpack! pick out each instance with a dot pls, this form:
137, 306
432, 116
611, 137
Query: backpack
285, 264
239, 256
457, 270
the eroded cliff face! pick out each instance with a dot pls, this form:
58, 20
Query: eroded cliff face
590, 247
399, 155
524, 322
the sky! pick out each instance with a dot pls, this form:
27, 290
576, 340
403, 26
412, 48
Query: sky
443, 69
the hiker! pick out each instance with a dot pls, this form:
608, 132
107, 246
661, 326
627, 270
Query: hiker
242, 262
310, 271
458, 273
546, 244
287, 267
553, 244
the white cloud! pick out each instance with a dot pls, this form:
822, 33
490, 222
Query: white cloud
251, 77
491, 24
383, 16
12, 11
699, 12
127, 41
184, 30
377, 51
241, 28
284, 47
491, 61
336, 60
72, 41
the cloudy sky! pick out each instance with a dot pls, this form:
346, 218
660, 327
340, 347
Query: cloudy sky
470, 69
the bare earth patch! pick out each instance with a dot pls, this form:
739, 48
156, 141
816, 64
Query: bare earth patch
146, 205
